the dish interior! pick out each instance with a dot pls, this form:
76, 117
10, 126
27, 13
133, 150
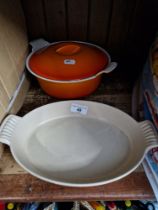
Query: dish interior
78, 150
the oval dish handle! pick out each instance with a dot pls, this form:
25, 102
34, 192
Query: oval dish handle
7, 127
150, 134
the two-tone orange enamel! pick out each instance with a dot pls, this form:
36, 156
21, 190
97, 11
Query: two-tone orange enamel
69, 69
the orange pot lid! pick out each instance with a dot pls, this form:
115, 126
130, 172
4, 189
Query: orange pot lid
68, 61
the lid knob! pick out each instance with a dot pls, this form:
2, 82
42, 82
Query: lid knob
69, 49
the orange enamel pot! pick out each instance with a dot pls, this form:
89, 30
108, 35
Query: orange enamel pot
68, 69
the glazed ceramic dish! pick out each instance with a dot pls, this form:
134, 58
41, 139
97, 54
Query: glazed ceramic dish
78, 143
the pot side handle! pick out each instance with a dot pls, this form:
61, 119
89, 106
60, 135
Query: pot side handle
109, 69
38, 44
150, 134
7, 127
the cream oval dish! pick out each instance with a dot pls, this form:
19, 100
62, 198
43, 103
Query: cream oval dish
78, 143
